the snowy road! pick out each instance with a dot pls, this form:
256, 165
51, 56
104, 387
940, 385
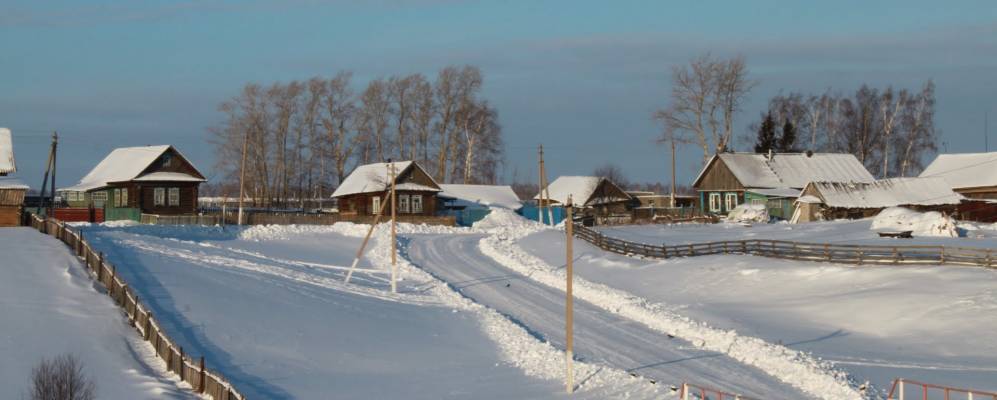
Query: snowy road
600, 337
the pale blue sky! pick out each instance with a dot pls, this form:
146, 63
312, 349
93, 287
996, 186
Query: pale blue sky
582, 77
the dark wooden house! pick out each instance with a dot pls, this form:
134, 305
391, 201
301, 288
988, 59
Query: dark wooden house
367, 187
132, 181
775, 180
12, 191
593, 197
973, 175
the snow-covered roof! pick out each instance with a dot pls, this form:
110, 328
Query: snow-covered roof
791, 170
777, 192
580, 188
7, 164
7, 182
372, 178
808, 199
169, 176
121, 165
485, 195
967, 170
887, 193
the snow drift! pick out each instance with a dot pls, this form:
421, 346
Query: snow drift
748, 213
931, 223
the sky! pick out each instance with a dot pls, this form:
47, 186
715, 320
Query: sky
581, 77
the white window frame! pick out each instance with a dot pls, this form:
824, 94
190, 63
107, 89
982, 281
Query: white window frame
375, 205
173, 197
728, 202
100, 197
117, 197
403, 204
159, 196
124, 197
715, 202
416, 200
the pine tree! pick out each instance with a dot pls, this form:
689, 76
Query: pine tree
787, 142
766, 135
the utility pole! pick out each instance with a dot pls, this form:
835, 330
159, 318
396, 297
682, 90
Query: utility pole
363, 245
540, 184
986, 133
545, 189
569, 304
394, 239
672, 195
242, 173
49, 167
55, 148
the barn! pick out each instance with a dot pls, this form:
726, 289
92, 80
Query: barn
132, 181
834, 200
364, 190
11, 190
973, 175
731, 179
594, 197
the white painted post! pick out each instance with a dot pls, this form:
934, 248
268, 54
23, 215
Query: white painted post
569, 305
685, 391
969, 395
900, 390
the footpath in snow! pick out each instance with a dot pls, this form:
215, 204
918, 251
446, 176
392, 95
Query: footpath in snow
927, 323
50, 307
269, 306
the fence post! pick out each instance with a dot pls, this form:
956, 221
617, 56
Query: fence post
183, 365
744, 247
827, 251
796, 252
664, 249
200, 386
100, 267
896, 256
691, 251
148, 324
726, 251
941, 255
990, 258
859, 253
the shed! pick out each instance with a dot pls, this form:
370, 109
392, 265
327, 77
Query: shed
362, 192
131, 181
832, 200
12, 191
973, 175
730, 179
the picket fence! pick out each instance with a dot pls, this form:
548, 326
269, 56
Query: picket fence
837, 253
190, 369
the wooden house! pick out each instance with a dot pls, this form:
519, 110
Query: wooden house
12, 191
132, 181
592, 196
973, 175
834, 200
731, 179
364, 190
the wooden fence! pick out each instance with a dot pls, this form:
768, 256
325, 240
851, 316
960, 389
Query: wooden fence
180, 219
836, 253
288, 218
190, 369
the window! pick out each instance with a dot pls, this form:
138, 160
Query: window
715, 202
403, 203
731, 200
375, 205
416, 201
159, 196
99, 198
124, 197
174, 197
117, 197
70, 196
167, 158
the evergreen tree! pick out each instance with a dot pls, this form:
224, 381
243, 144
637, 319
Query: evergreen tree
766, 135
787, 142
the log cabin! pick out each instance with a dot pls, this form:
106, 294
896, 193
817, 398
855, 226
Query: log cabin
132, 181
12, 191
593, 197
824, 201
367, 187
774, 179
973, 175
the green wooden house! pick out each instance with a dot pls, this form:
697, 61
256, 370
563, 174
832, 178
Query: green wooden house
132, 181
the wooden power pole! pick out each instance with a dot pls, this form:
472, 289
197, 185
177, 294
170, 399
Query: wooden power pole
242, 175
569, 303
394, 239
49, 168
363, 245
540, 184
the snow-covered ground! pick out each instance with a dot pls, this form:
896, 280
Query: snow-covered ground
852, 231
48, 307
928, 323
267, 306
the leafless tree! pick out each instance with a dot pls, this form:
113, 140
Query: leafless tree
614, 174
340, 111
61, 378
373, 119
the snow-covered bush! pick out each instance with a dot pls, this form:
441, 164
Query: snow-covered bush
931, 223
748, 213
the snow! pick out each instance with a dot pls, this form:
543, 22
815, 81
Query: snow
875, 323
268, 305
791, 170
375, 177
888, 193
484, 195
964, 170
122, 164
748, 213
777, 192
899, 219
169, 176
7, 164
50, 307
580, 188
7, 182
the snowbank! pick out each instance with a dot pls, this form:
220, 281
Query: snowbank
504, 219
748, 213
931, 223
